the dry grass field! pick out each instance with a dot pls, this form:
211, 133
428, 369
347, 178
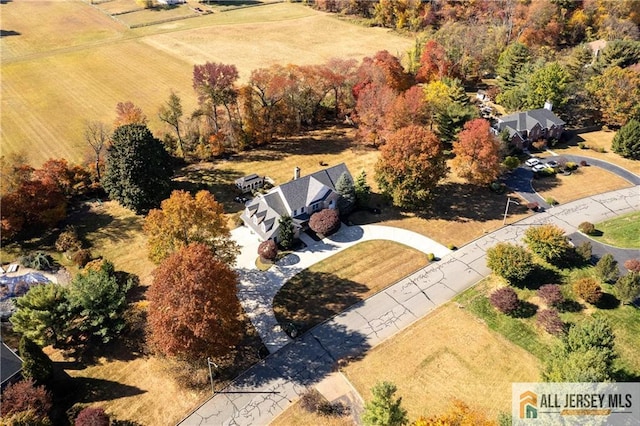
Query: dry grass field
448, 354
581, 183
52, 84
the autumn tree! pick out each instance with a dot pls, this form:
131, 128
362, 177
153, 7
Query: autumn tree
325, 222
626, 142
588, 289
268, 250
139, 170
477, 153
510, 261
92, 416
193, 307
26, 396
617, 93
627, 287
505, 300
374, 101
459, 414
549, 242
340, 75
410, 166
408, 108
215, 85
128, 113
384, 408
171, 113
71, 179
96, 134
184, 219
434, 63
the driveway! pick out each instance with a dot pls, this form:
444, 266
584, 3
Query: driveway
268, 388
258, 288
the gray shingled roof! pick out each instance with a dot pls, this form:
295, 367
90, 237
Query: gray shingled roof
10, 364
527, 120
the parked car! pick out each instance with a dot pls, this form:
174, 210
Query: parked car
552, 164
539, 167
532, 161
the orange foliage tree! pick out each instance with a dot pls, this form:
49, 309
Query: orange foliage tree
184, 219
193, 307
410, 166
128, 113
477, 153
459, 414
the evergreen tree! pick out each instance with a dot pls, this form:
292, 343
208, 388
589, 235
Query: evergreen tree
452, 119
627, 287
607, 268
347, 192
286, 233
139, 171
510, 63
384, 409
627, 141
362, 189
35, 363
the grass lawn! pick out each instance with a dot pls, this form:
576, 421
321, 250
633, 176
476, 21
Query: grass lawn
295, 415
449, 354
331, 286
583, 182
623, 231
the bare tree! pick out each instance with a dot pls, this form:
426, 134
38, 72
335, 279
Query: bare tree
171, 113
96, 134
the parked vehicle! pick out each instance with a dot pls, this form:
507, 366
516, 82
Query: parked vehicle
532, 161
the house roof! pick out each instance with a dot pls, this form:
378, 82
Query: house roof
248, 178
10, 364
527, 120
292, 196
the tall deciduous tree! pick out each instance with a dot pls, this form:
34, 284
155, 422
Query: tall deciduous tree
139, 170
477, 153
184, 219
410, 166
548, 83
617, 93
373, 104
215, 85
193, 309
128, 113
171, 113
96, 134
626, 142
434, 63
384, 408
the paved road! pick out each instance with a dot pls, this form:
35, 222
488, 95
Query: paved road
268, 388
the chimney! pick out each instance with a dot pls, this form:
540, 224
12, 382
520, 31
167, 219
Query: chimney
548, 105
296, 173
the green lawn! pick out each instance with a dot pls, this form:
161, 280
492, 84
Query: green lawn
623, 231
331, 286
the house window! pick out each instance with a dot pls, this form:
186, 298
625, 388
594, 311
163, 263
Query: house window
302, 210
315, 207
295, 212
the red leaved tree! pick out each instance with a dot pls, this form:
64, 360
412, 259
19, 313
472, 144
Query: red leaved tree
505, 300
24, 396
407, 109
92, 416
268, 250
193, 307
434, 63
373, 105
477, 153
324, 222
215, 85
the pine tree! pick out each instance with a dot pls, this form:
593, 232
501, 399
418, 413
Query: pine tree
35, 363
627, 287
347, 192
362, 189
627, 141
384, 409
286, 234
607, 268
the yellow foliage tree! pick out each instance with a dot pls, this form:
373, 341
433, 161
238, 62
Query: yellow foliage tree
458, 415
184, 219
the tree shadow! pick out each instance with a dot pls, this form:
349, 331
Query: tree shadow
95, 390
219, 182
8, 33
607, 301
568, 305
88, 220
538, 277
310, 298
525, 310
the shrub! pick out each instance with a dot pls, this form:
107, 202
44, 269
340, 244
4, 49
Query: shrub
36, 364
268, 250
510, 261
25, 395
549, 319
533, 206
587, 228
551, 294
539, 144
582, 145
68, 240
628, 287
325, 222
505, 300
452, 247
91, 416
548, 241
607, 268
551, 201
82, 257
333, 409
571, 165
311, 400
38, 260
632, 265
588, 289
583, 163
584, 251
511, 163
431, 257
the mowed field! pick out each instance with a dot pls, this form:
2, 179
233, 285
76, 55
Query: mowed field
69, 62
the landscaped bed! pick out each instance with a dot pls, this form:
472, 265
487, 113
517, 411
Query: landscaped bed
331, 286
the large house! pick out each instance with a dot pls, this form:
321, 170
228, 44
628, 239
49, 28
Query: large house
299, 198
529, 126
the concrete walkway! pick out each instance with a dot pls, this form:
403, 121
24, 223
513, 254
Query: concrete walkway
269, 387
258, 288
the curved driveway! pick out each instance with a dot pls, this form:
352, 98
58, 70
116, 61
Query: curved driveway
265, 390
258, 288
